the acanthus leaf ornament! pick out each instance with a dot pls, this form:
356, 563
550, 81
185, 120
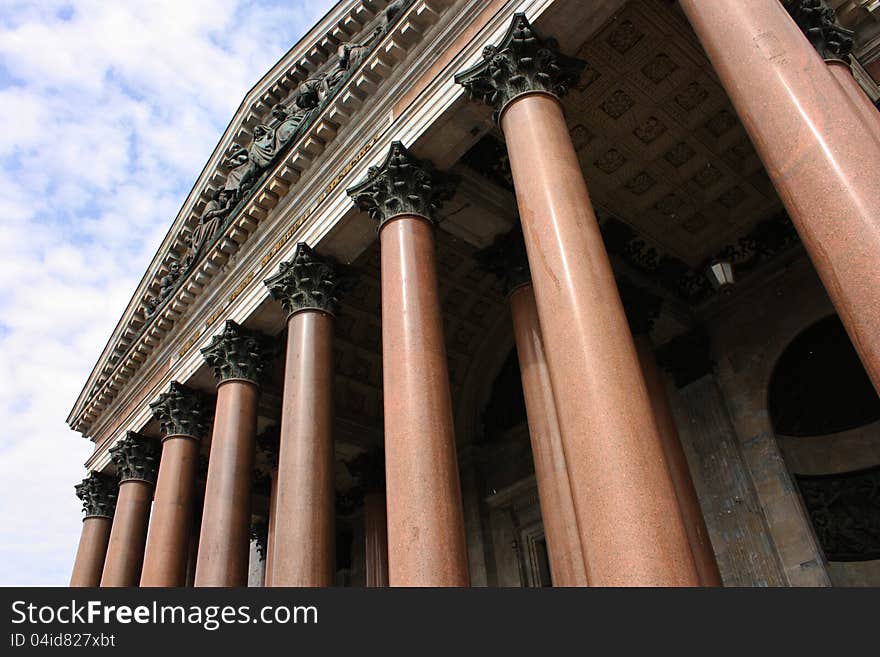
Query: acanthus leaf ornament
309, 281
522, 63
239, 353
818, 22
402, 184
183, 411
98, 493
136, 457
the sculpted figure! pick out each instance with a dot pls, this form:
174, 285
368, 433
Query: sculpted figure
216, 211
245, 164
290, 121
166, 285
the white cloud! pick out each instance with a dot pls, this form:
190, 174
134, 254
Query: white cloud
109, 112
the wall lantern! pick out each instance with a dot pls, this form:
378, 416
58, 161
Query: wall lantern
721, 274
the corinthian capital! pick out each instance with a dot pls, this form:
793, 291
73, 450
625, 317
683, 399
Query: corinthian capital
98, 494
818, 22
506, 258
403, 184
309, 282
183, 411
239, 353
522, 63
136, 457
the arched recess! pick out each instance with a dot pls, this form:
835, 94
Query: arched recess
826, 417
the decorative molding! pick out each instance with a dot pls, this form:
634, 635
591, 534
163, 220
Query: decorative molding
819, 24
149, 320
310, 282
845, 513
506, 258
522, 63
183, 411
98, 494
402, 184
136, 457
239, 353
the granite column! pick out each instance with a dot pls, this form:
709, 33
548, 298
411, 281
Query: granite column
820, 154
98, 494
239, 357
136, 459
426, 538
631, 530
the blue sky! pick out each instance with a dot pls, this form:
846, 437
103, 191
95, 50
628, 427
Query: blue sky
109, 112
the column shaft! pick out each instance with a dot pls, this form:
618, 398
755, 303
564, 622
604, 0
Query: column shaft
631, 530
91, 551
689, 504
426, 540
165, 558
841, 72
128, 536
819, 153
376, 539
304, 524
557, 506
270, 537
225, 535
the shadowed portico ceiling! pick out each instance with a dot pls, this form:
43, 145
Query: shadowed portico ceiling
659, 142
660, 145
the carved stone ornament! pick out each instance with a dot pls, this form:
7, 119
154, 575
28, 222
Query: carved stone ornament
183, 411
136, 457
641, 307
309, 281
819, 24
98, 494
523, 62
403, 184
239, 353
506, 258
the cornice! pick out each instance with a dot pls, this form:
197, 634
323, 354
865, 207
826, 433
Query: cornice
135, 342
365, 142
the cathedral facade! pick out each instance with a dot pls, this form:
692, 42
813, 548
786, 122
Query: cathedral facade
513, 293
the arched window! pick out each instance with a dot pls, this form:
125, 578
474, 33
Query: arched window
819, 386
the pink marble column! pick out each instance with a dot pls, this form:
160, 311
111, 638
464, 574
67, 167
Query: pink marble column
855, 95
304, 525
185, 416
98, 494
238, 356
630, 527
554, 490
426, 538
821, 155
136, 459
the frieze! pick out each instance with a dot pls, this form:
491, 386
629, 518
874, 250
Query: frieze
277, 246
340, 84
